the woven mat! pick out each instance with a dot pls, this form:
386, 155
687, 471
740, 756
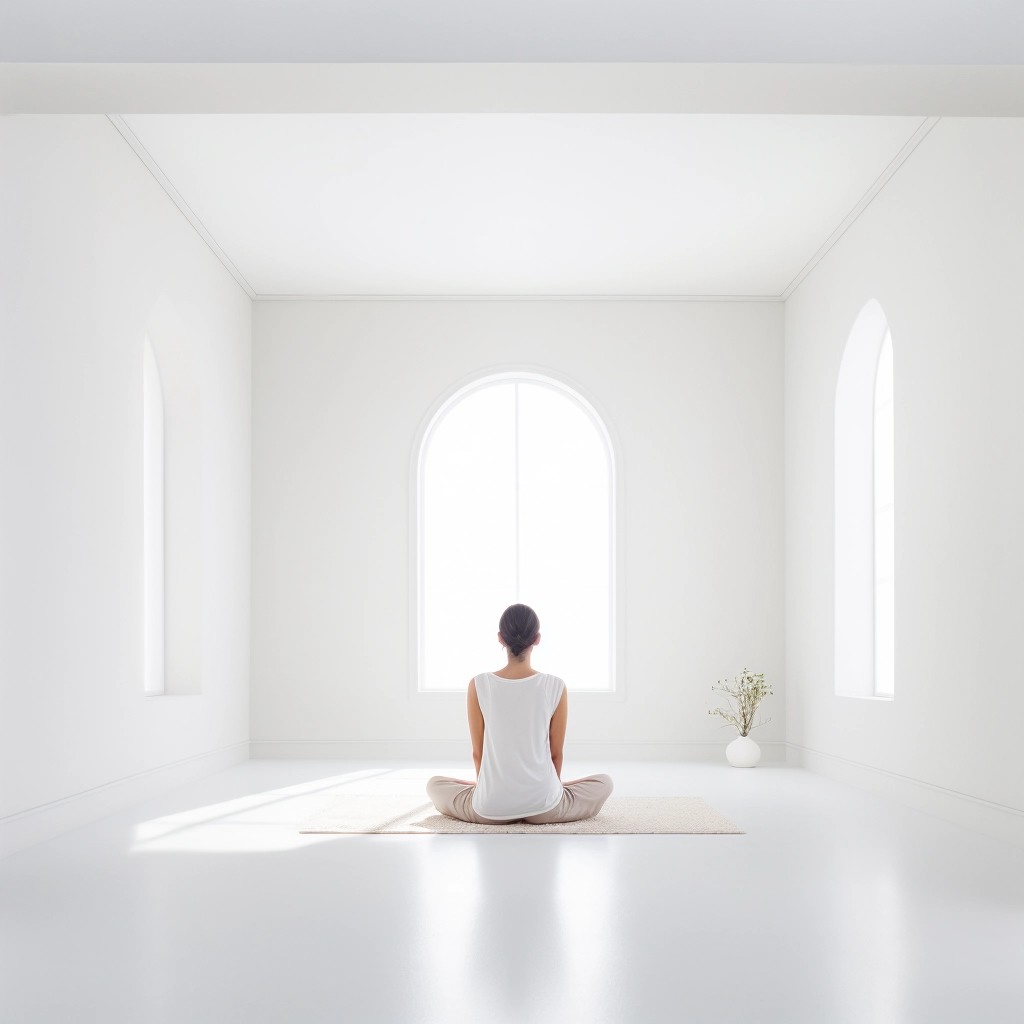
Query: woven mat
378, 813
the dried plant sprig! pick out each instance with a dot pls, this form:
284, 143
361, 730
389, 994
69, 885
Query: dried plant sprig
744, 693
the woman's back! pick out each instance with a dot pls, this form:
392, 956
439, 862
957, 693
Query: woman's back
517, 776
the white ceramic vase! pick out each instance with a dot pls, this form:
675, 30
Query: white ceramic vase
743, 752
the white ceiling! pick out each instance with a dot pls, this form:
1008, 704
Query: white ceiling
388, 199
520, 204
741, 31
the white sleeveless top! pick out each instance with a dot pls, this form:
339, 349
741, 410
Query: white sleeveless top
517, 777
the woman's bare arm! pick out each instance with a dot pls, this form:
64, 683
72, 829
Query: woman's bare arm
557, 731
476, 725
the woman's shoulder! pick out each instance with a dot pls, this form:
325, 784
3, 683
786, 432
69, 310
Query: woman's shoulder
540, 677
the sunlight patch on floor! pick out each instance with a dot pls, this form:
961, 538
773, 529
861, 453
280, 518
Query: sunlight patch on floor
267, 821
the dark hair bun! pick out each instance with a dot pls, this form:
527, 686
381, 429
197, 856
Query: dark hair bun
519, 627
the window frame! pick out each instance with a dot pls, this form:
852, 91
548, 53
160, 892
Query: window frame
154, 549
855, 617
891, 579
531, 374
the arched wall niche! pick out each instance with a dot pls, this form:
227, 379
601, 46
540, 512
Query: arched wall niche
172, 345
862, 633
154, 558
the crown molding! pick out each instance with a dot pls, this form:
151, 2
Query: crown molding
179, 201
911, 145
915, 140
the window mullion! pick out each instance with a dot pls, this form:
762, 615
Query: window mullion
516, 460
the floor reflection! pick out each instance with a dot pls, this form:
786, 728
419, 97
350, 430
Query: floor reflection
515, 927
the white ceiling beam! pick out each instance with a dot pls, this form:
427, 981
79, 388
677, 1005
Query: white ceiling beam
927, 91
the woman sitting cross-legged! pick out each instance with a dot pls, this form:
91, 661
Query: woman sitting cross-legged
517, 721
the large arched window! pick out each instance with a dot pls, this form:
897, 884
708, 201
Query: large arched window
865, 511
515, 503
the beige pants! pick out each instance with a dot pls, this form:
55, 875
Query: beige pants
581, 798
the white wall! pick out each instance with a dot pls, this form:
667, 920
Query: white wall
940, 248
94, 255
693, 392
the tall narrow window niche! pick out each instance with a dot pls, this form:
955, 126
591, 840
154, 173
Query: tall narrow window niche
173, 508
152, 521
885, 525
865, 511
515, 503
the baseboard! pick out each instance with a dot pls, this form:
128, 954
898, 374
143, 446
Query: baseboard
991, 819
37, 824
458, 750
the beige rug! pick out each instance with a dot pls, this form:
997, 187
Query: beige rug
378, 813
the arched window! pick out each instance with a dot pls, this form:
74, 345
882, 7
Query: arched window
865, 511
515, 503
885, 525
152, 521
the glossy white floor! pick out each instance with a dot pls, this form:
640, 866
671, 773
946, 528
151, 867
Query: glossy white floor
207, 906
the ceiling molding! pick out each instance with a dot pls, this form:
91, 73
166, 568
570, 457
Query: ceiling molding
916, 90
908, 148
179, 201
915, 140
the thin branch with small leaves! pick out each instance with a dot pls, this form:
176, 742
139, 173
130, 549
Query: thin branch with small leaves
745, 693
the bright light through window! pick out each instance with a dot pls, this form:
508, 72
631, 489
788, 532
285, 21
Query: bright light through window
864, 504
516, 506
885, 571
152, 522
